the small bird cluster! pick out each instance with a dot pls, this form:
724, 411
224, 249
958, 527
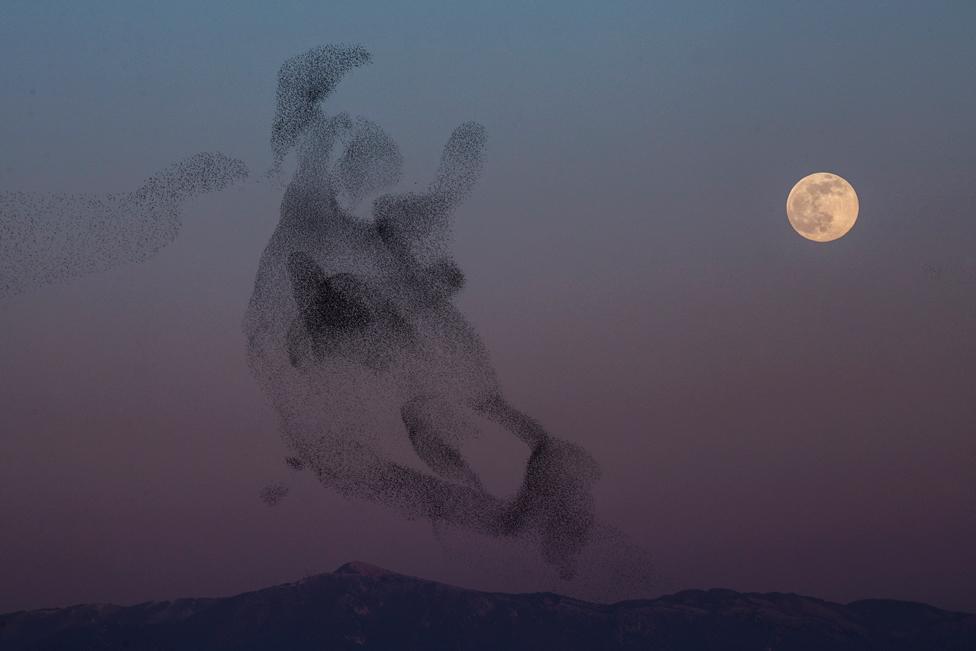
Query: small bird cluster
51, 238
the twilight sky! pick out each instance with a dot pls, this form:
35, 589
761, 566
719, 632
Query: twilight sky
770, 414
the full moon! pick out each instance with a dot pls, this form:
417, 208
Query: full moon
822, 207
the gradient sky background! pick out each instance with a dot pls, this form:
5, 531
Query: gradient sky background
770, 414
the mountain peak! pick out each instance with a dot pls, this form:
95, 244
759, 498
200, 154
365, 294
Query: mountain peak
363, 569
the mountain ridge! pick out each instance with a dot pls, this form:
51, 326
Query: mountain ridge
363, 606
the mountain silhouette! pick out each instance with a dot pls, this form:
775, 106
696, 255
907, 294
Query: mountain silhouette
361, 606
